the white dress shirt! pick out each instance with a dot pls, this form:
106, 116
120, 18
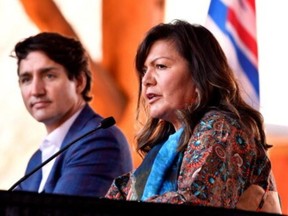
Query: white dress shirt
51, 144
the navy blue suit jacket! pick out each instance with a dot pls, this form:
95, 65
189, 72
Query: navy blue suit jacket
89, 166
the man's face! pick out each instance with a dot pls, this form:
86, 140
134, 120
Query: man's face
48, 94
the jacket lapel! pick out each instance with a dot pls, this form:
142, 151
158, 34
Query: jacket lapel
76, 130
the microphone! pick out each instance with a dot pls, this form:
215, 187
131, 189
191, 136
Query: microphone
105, 123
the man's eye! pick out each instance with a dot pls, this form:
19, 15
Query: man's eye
50, 76
24, 80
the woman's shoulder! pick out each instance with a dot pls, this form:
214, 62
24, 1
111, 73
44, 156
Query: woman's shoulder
216, 120
219, 115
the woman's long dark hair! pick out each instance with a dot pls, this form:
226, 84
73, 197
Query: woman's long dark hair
215, 83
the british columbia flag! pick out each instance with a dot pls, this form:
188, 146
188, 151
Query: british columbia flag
233, 22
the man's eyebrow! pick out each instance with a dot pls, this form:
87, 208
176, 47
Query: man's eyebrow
46, 69
41, 70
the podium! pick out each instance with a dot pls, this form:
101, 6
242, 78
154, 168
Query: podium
33, 204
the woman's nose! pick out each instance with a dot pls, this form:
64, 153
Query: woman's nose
148, 78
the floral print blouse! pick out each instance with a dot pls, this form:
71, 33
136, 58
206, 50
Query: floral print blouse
220, 162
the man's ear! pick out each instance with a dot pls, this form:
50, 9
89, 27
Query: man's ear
81, 81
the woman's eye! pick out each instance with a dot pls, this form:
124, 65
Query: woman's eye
144, 70
161, 66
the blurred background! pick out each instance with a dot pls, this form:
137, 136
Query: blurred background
110, 31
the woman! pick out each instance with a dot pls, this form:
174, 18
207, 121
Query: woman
202, 143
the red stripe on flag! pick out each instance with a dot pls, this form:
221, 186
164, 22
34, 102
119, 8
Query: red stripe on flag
252, 4
244, 35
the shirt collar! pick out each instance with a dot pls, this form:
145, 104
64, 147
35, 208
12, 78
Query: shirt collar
57, 136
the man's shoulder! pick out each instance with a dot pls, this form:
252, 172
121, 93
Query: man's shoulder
89, 119
88, 116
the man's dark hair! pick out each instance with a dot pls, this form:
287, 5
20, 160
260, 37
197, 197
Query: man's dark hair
66, 51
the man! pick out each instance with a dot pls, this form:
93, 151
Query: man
55, 81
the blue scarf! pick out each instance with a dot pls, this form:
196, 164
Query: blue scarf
167, 160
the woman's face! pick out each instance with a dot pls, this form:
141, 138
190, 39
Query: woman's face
167, 83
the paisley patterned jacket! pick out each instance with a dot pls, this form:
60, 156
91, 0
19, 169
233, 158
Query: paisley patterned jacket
221, 161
